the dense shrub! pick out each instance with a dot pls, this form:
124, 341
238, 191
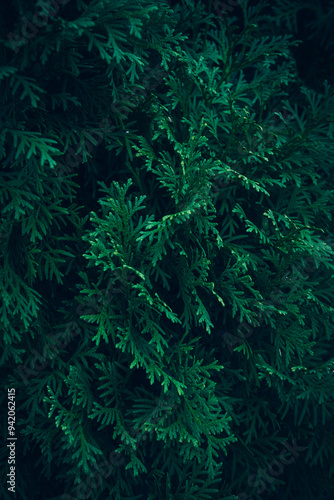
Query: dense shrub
167, 252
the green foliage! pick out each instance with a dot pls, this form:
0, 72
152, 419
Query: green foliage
167, 252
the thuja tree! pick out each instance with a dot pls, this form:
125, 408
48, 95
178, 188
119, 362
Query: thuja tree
166, 294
